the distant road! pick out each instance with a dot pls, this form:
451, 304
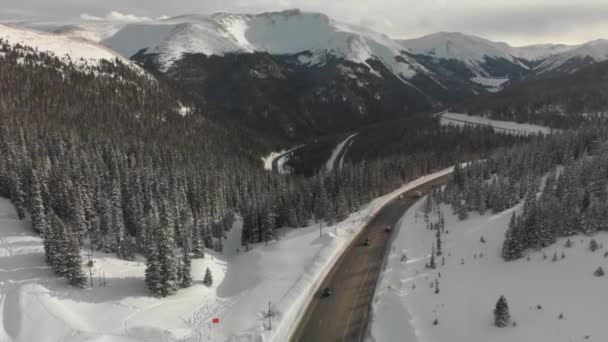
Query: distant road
497, 125
338, 153
275, 162
344, 316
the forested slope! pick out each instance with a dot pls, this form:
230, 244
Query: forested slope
562, 101
103, 158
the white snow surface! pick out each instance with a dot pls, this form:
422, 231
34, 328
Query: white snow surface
330, 164
469, 291
281, 159
287, 32
492, 84
285, 272
539, 52
183, 110
455, 45
459, 119
597, 50
473, 49
80, 50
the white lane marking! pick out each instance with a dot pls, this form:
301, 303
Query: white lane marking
356, 300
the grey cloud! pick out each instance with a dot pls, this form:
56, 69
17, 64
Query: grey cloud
509, 20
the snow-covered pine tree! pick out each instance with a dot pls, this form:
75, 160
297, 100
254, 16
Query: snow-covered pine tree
73, 260
57, 244
166, 258
432, 264
501, 313
438, 240
512, 247
118, 229
153, 266
208, 280
599, 272
39, 221
179, 271
593, 245
186, 279
197, 241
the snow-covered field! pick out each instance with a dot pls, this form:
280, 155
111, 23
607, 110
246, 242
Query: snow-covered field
473, 278
460, 119
37, 306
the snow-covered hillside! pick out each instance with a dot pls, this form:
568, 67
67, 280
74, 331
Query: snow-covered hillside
289, 32
79, 50
455, 45
539, 52
284, 272
473, 49
474, 276
480, 60
595, 51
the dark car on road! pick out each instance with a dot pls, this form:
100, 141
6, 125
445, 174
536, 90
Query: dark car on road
366, 242
388, 229
326, 292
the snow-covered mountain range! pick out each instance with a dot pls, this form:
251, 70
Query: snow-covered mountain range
484, 57
353, 75
280, 33
293, 32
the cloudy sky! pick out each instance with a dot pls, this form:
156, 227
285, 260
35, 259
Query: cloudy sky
517, 22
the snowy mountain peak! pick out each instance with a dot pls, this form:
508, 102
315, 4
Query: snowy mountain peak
64, 46
455, 45
539, 52
282, 33
592, 51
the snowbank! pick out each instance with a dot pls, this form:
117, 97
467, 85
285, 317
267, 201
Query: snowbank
405, 306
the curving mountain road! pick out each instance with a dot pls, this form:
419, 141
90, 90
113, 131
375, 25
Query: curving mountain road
344, 316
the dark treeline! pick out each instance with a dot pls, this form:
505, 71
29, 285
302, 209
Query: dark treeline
571, 201
100, 158
420, 137
562, 101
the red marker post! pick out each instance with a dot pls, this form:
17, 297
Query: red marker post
215, 321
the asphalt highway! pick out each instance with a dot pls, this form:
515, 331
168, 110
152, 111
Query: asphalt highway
344, 315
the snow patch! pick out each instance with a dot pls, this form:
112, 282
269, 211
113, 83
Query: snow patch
183, 110
280, 158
